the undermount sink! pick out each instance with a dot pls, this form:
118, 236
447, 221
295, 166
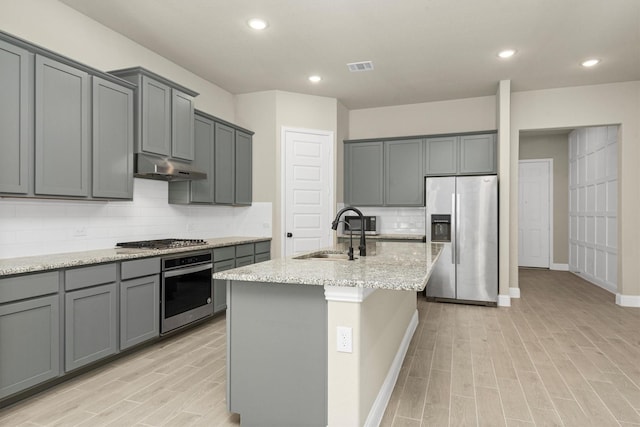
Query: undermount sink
323, 256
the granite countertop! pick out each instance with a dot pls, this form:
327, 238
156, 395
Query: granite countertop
418, 237
388, 265
31, 264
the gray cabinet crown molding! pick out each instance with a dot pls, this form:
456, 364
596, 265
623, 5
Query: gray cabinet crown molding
34, 48
132, 71
224, 122
435, 135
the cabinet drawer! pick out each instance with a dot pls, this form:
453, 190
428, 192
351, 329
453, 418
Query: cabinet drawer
244, 250
263, 247
262, 257
89, 276
245, 260
139, 268
228, 252
224, 265
28, 286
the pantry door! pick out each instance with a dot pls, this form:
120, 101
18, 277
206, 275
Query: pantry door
307, 189
534, 207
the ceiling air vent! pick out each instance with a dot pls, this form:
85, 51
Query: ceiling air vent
355, 67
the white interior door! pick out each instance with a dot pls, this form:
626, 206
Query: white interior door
308, 182
534, 213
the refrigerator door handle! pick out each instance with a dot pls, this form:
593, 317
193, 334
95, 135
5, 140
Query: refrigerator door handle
457, 228
453, 236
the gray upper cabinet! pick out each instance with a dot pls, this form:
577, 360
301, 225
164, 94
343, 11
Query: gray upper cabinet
199, 190
15, 118
364, 168
477, 154
155, 126
62, 143
441, 155
224, 164
461, 155
403, 173
243, 168
112, 140
164, 114
182, 146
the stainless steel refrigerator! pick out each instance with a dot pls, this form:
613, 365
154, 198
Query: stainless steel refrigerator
462, 212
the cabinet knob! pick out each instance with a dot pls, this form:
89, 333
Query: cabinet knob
289, 235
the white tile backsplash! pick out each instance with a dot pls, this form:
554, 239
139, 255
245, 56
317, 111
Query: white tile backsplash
394, 220
37, 227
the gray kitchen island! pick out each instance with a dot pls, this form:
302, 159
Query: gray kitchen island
317, 340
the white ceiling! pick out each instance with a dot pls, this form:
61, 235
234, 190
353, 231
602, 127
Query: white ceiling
422, 50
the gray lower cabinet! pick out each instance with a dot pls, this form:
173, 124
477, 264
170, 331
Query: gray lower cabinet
220, 286
364, 174
403, 173
243, 169
62, 144
477, 154
112, 140
15, 118
224, 164
90, 325
139, 310
30, 350
91, 314
441, 155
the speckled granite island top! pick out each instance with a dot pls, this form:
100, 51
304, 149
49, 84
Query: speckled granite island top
388, 265
10, 266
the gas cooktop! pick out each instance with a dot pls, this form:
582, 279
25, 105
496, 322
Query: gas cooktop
162, 244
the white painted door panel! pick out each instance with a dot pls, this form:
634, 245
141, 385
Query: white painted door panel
533, 233
308, 191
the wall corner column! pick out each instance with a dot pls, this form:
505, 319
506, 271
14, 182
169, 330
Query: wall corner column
503, 124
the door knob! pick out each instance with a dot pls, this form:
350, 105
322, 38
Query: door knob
289, 234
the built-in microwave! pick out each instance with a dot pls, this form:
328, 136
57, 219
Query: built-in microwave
369, 223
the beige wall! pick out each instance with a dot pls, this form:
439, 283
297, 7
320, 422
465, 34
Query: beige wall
589, 106
554, 147
343, 133
379, 324
61, 29
460, 115
266, 113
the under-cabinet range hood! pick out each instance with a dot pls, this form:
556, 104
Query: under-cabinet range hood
165, 169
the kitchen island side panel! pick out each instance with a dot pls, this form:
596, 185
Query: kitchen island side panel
277, 354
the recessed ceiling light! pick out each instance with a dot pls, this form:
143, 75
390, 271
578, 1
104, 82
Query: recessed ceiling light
507, 53
590, 62
257, 24
315, 79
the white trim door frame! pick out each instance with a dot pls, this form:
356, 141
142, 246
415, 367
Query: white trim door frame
324, 171
549, 211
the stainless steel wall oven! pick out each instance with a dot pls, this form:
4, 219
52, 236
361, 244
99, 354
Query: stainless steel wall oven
187, 290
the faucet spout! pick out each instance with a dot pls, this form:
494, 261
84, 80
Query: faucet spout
336, 221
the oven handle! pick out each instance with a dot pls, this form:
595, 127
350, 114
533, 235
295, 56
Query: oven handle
187, 270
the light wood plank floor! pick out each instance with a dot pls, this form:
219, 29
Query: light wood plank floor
563, 355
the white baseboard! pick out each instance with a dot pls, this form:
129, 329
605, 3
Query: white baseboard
382, 400
628, 300
514, 292
504, 300
559, 267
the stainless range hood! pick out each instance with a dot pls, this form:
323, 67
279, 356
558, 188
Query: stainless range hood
165, 169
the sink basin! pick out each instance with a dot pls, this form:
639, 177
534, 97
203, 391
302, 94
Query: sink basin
323, 256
